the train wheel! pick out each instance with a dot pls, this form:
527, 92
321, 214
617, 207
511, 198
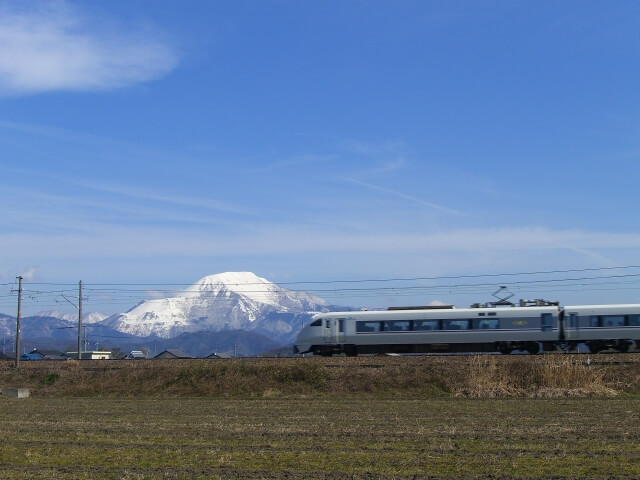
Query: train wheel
533, 348
623, 346
351, 351
593, 347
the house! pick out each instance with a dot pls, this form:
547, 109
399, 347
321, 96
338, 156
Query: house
218, 355
48, 354
91, 355
30, 356
172, 353
96, 355
135, 355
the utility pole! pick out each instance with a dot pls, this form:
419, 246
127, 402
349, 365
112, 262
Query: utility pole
79, 307
79, 319
18, 322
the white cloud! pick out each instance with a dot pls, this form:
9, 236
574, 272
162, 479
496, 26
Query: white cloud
295, 161
29, 274
55, 46
391, 165
403, 195
138, 193
104, 241
137, 252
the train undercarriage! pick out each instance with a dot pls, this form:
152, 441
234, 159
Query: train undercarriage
505, 348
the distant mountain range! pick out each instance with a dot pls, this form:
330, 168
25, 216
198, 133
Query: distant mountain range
234, 312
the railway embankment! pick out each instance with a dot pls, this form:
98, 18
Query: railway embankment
437, 376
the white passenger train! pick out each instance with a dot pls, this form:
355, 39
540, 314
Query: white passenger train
534, 326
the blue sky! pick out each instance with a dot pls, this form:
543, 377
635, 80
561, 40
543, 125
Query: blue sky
158, 141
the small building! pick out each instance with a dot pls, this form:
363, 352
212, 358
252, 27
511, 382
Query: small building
135, 355
173, 353
218, 355
91, 355
42, 354
49, 354
27, 357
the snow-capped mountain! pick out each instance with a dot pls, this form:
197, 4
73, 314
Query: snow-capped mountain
87, 318
233, 300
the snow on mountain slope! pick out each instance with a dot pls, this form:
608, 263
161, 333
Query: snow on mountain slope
89, 317
232, 300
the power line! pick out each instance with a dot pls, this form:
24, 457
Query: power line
367, 280
119, 293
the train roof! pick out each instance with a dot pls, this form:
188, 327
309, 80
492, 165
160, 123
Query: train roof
613, 305
425, 307
447, 311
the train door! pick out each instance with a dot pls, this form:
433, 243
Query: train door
571, 326
333, 330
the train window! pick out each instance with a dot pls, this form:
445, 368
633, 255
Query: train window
317, 323
486, 323
341, 325
397, 326
492, 314
426, 324
368, 327
612, 321
634, 320
595, 322
456, 324
546, 322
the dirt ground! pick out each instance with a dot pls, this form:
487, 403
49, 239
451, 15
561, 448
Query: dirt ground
319, 438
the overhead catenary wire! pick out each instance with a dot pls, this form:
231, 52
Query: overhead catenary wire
48, 294
365, 280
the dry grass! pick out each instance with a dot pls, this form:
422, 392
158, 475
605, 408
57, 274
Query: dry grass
406, 377
540, 376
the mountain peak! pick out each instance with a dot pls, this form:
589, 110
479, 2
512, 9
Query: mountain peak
231, 300
232, 280
245, 284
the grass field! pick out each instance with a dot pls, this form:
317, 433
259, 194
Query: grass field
188, 438
436, 417
408, 377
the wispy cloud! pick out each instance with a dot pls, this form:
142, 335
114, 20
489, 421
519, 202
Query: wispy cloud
53, 213
295, 161
54, 45
373, 149
395, 193
388, 156
141, 241
390, 165
142, 194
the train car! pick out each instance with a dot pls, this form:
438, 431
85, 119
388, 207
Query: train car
603, 327
433, 330
543, 326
